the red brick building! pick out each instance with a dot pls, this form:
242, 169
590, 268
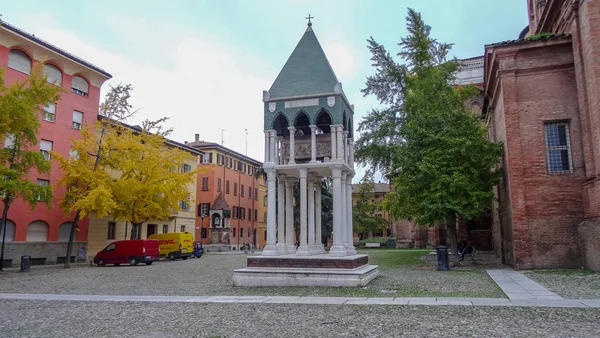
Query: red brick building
43, 233
543, 102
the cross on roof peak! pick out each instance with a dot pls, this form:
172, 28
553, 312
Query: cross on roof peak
309, 17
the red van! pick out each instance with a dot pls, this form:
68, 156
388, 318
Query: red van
132, 251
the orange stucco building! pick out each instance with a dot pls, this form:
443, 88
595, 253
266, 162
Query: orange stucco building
230, 202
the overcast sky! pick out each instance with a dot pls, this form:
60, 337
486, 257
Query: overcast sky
206, 63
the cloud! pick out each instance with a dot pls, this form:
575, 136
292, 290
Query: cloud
199, 83
341, 59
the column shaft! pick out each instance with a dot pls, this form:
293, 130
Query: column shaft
343, 211
267, 159
292, 146
303, 249
313, 143
337, 249
311, 212
318, 233
340, 143
280, 215
290, 239
270, 249
333, 142
350, 229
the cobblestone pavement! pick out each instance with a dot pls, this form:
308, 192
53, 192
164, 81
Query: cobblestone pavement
212, 275
22, 318
569, 284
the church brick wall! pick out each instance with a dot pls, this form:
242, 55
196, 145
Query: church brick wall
545, 209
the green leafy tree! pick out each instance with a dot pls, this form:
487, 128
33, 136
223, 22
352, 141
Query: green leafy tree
21, 105
442, 163
365, 212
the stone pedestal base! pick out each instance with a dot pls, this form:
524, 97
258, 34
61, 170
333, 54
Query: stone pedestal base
318, 270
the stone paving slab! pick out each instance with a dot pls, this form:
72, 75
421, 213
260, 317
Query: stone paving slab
517, 286
408, 301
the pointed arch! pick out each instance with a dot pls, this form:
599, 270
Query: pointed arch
280, 125
323, 121
302, 123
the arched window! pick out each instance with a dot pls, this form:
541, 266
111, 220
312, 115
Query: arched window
302, 124
280, 124
37, 231
19, 60
324, 122
64, 232
54, 75
10, 231
79, 86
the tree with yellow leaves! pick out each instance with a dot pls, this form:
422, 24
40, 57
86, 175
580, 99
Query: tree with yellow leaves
151, 183
86, 177
21, 104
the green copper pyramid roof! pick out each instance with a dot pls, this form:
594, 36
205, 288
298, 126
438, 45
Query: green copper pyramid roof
306, 72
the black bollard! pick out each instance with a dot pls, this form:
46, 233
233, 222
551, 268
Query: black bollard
442, 257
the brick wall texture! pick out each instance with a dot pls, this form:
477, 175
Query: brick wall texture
543, 219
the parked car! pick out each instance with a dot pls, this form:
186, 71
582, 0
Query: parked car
175, 245
198, 249
131, 251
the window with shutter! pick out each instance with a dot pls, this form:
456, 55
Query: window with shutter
64, 231
9, 141
79, 86
53, 74
37, 231
46, 148
19, 60
10, 231
77, 119
49, 112
242, 189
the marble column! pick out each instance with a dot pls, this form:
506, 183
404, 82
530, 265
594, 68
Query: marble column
292, 147
267, 133
280, 215
333, 142
351, 153
290, 239
343, 211
313, 143
337, 249
340, 143
271, 146
346, 146
274, 145
270, 249
303, 249
350, 230
311, 213
318, 212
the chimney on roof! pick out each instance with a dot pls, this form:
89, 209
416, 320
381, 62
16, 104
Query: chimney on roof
197, 137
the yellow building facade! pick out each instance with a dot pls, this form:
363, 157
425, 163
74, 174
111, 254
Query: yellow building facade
103, 231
